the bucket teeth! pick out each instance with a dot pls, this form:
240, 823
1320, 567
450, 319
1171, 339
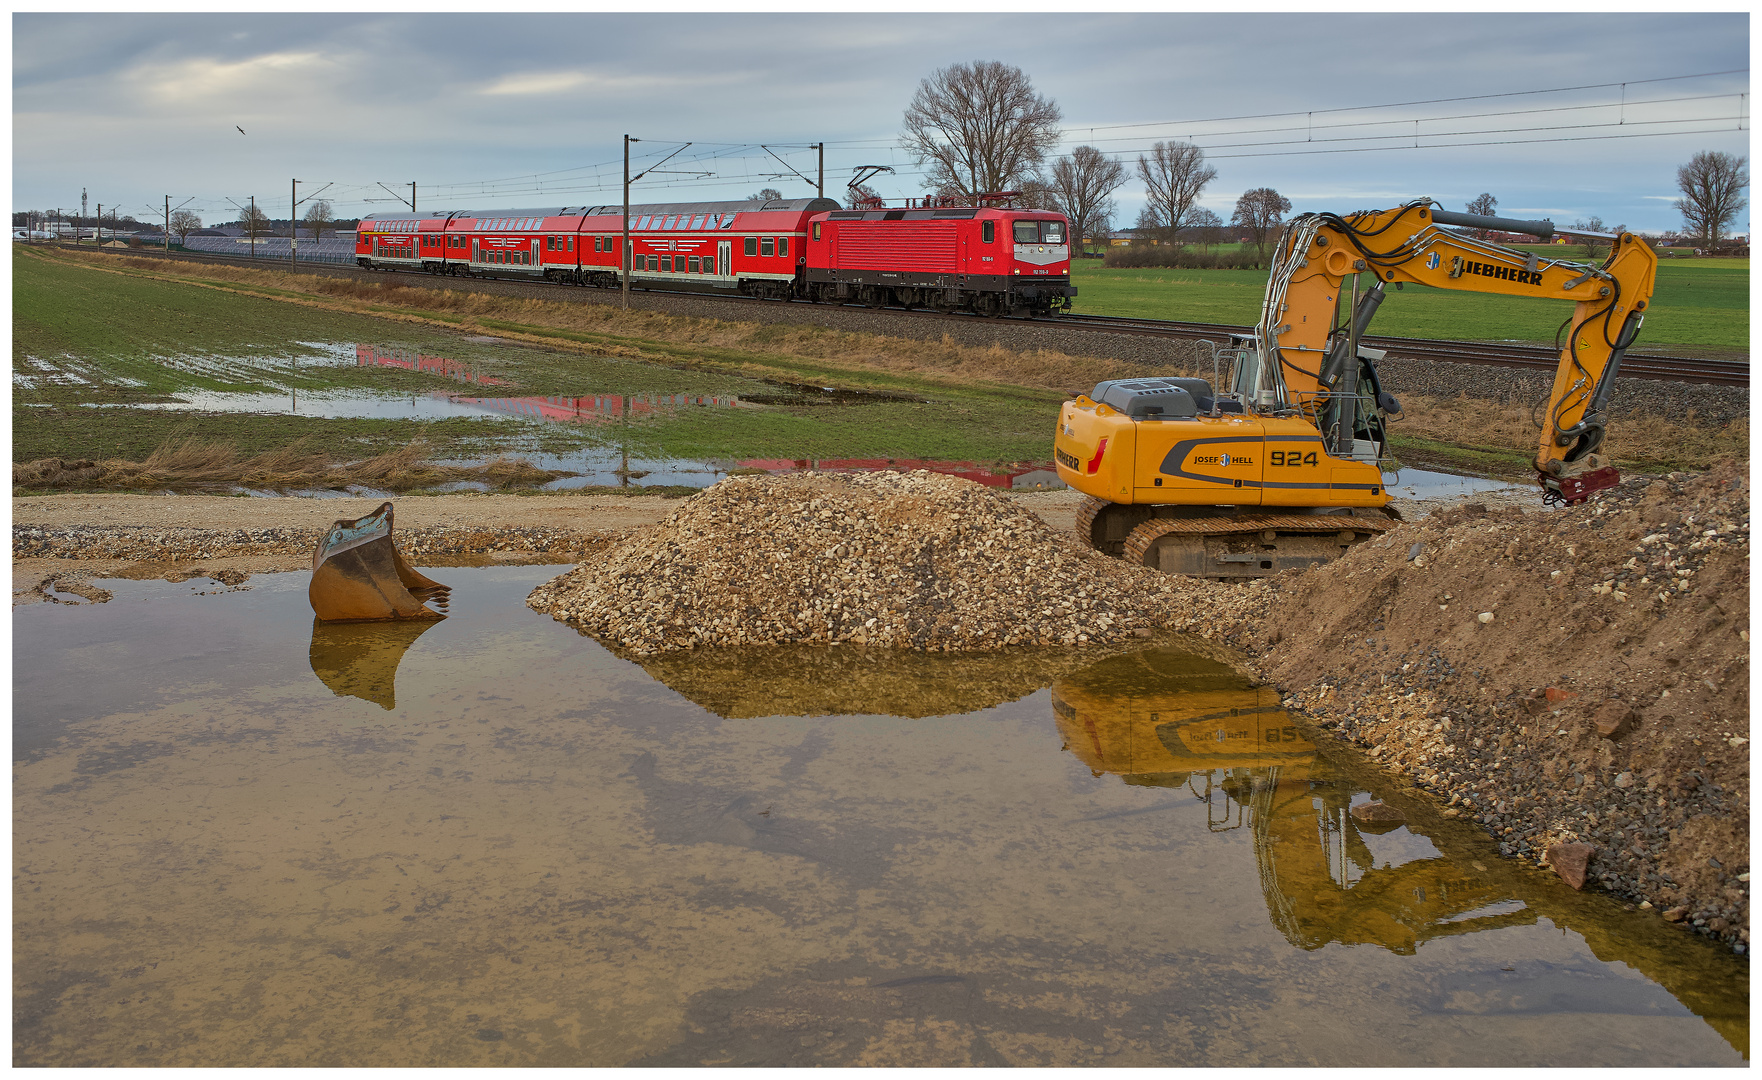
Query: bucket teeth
358, 575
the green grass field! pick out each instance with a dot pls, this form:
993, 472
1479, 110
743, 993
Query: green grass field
85, 337
1699, 303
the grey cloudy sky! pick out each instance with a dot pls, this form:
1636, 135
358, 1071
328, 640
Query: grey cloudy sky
528, 109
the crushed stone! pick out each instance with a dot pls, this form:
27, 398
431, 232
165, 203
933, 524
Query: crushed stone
890, 559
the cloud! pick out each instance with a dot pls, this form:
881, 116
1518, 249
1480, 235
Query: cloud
551, 82
212, 81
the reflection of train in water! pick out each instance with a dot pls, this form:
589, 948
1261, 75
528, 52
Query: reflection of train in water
1168, 719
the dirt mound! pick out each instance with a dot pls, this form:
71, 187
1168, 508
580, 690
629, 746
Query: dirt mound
901, 560
1559, 676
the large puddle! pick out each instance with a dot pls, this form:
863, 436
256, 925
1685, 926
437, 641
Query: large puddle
240, 839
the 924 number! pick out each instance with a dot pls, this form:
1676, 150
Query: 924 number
1292, 458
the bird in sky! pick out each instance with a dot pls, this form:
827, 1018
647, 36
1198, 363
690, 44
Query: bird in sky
241, 130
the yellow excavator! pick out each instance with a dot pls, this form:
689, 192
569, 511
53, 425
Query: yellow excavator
1283, 469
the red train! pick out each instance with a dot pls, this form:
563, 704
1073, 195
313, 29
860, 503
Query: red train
991, 260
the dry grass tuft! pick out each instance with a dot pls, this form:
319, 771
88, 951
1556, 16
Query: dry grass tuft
192, 464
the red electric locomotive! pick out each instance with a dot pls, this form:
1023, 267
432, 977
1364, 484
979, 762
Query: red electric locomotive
985, 259
993, 261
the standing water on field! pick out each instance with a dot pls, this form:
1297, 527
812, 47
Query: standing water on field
243, 838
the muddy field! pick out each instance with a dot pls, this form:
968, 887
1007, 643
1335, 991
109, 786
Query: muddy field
1576, 680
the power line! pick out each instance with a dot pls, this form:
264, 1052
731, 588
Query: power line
1409, 104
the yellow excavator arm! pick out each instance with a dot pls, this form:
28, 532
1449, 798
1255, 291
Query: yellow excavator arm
1311, 353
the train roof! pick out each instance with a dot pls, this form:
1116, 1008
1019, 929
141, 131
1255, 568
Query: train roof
814, 205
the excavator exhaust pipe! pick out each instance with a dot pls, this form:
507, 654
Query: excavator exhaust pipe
359, 576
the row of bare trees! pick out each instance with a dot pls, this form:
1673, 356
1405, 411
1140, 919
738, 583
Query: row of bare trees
982, 128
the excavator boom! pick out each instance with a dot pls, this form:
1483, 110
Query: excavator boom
1311, 358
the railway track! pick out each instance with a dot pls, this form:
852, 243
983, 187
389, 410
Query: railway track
1688, 369
1497, 354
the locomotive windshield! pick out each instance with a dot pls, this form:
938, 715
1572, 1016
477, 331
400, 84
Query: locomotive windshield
1040, 232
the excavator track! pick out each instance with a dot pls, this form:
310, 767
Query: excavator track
1247, 547
1086, 520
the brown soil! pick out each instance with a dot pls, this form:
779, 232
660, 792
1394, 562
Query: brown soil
1477, 651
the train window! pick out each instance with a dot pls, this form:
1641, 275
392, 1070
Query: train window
571, 244
752, 245
1027, 232
988, 232
727, 221
654, 263
596, 243
767, 247
698, 222
1053, 232
816, 230
695, 264
667, 263
783, 245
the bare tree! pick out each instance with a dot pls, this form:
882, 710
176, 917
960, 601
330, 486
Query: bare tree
766, 195
256, 224
184, 222
979, 127
1260, 211
1710, 183
863, 197
1483, 204
1174, 174
1205, 226
1037, 194
1082, 184
1596, 247
319, 218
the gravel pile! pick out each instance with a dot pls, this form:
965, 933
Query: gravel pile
895, 560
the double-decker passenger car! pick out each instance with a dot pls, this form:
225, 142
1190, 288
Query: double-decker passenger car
984, 259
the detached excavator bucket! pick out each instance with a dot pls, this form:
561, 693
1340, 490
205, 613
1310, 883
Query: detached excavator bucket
358, 575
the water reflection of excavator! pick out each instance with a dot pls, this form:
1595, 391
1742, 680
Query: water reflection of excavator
1168, 719
1283, 469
